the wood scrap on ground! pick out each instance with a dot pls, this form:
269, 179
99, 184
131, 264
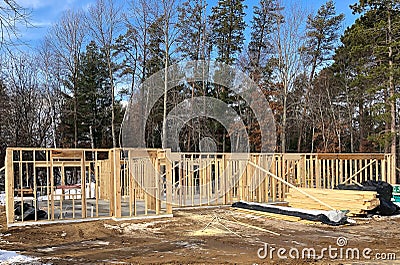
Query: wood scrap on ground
357, 202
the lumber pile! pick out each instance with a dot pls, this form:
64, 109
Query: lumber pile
357, 202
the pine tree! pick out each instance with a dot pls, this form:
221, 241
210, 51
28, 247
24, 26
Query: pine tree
351, 60
387, 37
369, 58
156, 56
227, 37
193, 37
266, 16
322, 36
127, 45
265, 19
193, 44
94, 99
227, 20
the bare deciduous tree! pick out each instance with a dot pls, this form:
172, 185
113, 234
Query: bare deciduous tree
50, 83
169, 15
286, 42
66, 40
12, 15
104, 22
29, 114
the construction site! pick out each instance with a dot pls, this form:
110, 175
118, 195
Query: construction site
95, 206
199, 132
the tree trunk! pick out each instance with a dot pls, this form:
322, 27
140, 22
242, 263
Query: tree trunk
300, 137
312, 138
166, 40
75, 118
361, 123
392, 99
284, 119
112, 99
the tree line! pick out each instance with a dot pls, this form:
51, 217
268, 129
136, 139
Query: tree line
329, 90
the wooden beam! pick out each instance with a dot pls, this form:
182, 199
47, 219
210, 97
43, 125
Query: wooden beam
111, 183
51, 186
351, 156
83, 184
168, 172
117, 183
318, 172
222, 174
9, 186
35, 201
273, 180
393, 169
96, 185
69, 153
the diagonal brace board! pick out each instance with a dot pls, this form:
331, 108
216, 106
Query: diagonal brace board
291, 185
358, 172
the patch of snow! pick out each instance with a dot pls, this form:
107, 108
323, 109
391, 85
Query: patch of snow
72, 193
186, 244
12, 257
2, 199
96, 242
46, 249
131, 227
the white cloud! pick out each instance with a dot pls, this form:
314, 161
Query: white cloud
34, 4
41, 24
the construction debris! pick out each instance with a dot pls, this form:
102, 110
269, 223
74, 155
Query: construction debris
355, 201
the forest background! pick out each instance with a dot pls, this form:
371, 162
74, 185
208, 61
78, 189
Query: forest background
330, 90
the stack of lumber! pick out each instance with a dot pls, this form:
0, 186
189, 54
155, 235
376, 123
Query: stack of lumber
357, 202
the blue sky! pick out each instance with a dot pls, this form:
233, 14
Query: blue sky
47, 12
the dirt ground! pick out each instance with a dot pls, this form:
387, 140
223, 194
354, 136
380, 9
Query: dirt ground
203, 236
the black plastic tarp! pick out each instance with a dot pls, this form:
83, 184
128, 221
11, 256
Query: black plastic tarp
28, 212
327, 217
384, 191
